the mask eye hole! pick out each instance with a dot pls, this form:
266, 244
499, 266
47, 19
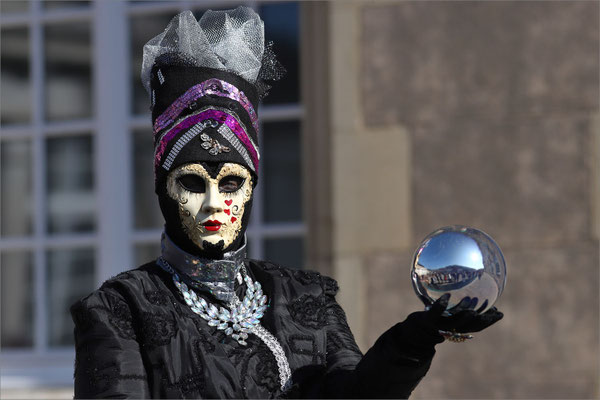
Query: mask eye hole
230, 184
193, 183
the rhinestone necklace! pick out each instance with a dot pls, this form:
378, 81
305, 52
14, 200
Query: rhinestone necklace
242, 318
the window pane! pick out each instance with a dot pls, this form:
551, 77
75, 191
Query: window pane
199, 11
281, 27
146, 210
288, 252
143, 28
148, 1
57, 4
15, 188
70, 184
14, 6
281, 169
70, 277
16, 89
147, 252
68, 71
16, 276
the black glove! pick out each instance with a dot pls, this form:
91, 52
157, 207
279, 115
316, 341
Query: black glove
402, 355
464, 318
422, 328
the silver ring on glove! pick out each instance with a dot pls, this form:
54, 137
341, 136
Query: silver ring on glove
455, 336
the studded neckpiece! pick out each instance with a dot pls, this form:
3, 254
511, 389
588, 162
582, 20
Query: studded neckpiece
239, 318
215, 276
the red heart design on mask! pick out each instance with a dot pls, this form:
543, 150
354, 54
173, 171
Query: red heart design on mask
228, 202
227, 211
233, 219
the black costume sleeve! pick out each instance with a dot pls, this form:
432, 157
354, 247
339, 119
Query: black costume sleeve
391, 368
108, 363
395, 364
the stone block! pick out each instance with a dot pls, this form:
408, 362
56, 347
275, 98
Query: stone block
372, 180
390, 296
434, 60
545, 347
521, 181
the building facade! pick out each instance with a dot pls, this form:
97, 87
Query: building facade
396, 118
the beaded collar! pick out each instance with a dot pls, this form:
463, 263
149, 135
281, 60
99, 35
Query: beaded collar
215, 276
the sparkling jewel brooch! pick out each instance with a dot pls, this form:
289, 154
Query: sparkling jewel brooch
238, 322
213, 146
242, 317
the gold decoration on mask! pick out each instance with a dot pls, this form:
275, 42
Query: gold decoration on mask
212, 215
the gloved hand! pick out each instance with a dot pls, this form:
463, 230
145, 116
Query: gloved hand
464, 318
402, 355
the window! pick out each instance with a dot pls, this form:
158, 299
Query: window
77, 193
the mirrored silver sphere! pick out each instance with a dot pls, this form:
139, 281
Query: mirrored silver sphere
462, 261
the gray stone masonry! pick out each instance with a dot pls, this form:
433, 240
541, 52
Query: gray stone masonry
498, 99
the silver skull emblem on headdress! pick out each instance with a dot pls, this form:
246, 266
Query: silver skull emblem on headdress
213, 146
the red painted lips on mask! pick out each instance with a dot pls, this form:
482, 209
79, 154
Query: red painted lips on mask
212, 226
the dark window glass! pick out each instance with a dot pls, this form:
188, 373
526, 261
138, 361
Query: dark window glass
15, 95
68, 71
71, 198
58, 4
70, 277
281, 171
15, 188
16, 281
146, 252
148, 1
12, 6
146, 210
142, 28
289, 252
198, 12
282, 27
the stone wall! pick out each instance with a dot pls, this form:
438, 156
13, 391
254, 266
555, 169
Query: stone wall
500, 101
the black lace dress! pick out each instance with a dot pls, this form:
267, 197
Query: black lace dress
136, 338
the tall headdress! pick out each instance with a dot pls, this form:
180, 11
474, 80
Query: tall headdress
205, 79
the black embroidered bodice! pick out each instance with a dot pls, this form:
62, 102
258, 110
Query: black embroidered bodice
135, 337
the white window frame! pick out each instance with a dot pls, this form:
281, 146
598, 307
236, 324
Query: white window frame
111, 128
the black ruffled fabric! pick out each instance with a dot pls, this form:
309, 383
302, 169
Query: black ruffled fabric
136, 338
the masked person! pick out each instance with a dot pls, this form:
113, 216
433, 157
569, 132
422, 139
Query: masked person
203, 321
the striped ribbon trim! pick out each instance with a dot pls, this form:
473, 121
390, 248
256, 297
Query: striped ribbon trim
221, 117
211, 86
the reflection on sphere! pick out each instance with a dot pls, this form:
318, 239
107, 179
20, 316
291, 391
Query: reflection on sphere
462, 261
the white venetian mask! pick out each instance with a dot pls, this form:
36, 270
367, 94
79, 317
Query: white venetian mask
211, 209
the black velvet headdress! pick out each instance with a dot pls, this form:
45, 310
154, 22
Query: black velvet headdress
205, 79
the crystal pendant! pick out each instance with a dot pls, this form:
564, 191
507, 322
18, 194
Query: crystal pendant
222, 326
225, 315
247, 303
212, 311
245, 317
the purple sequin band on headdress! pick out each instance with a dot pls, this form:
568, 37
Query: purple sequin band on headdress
211, 86
220, 117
